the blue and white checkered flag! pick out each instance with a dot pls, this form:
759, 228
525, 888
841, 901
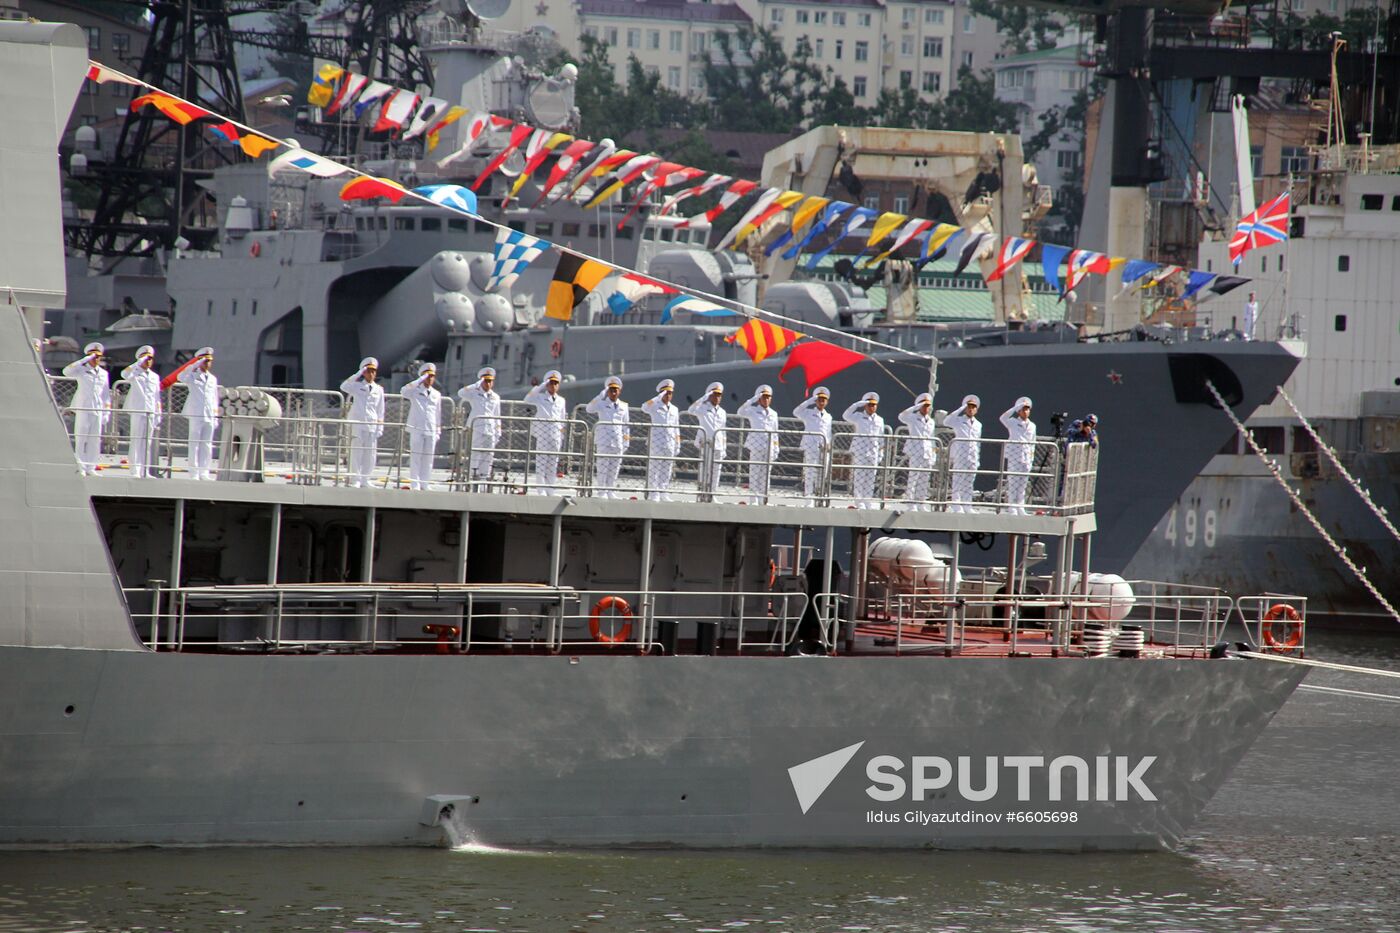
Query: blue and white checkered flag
453, 196
514, 251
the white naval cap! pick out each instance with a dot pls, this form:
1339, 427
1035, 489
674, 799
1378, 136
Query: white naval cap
145, 351
763, 390
94, 347
870, 397
822, 392
369, 362
612, 381
204, 351
427, 368
665, 384
553, 376
485, 371
971, 399
923, 397
714, 387
1023, 402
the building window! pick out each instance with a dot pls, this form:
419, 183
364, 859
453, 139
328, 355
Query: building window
901, 204
634, 38
802, 17
612, 36
862, 51
94, 38
233, 312
673, 78
906, 79
907, 17
819, 18
967, 59
933, 47
1339, 323
840, 47
933, 17
906, 46
1067, 160
863, 20
838, 18
255, 307
1372, 202
970, 24
677, 41
91, 88
590, 31
858, 86
1343, 263
697, 80
697, 43
121, 42
1295, 160
775, 15
1256, 160
87, 119
819, 48
872, 202
654, 39
933, 82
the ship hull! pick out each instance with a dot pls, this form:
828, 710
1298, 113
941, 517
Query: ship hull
1236, 529
134, 748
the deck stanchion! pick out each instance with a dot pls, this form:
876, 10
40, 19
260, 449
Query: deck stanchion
367, 554
644, 594
177, 543
274, 544
464, 525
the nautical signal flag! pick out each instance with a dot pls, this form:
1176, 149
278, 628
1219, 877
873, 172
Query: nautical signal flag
175, 109
574, 278
705, 187
761, 339
518, 135
819, 360
564, 165
350, 87
375, 92
541, 144
727, 200
307, 162
692, 305
1013, 250
621, 177
973, 249
514, 251
364, 188
1050, 258
102, 74
434, 134
322, 83
632, 288
1081, 263
1268, 224
454, 196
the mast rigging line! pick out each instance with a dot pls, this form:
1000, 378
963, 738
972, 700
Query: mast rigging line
746, 310
1301, 506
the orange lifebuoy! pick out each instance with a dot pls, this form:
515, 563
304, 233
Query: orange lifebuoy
595, 617
772, 573
1292, 628
255, 250
556, 349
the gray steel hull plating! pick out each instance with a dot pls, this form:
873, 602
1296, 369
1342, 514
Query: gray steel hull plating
597, 751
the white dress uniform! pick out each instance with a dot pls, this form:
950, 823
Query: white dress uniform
1020, 454
366, 422
424, 425
814, 422
91, 406
142, 407
866, 448
201, 413
485, 424
665, 442
964, 454
551, 415
919, 449
761, 441
610, 439
711, 439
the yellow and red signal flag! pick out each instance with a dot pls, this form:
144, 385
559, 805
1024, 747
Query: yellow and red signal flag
102, 74
365, 188
761, 339
629, 172
541, 144
518, 134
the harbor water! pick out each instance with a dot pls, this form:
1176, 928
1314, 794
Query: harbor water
1303, 837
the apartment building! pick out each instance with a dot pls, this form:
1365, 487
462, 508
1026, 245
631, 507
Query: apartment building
1036, 82
672, 39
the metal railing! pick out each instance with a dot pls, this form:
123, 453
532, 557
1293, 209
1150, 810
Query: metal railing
311, 443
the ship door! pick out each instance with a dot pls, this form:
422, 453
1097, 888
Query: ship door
342, 554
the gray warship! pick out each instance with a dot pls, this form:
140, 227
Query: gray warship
296, 661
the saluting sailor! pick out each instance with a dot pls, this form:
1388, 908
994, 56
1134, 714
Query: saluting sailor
424, 425
484, 421
143, 409
816, 437
919, 449
1020, 453
710, 438
610, 437
91, 406
201, 412
665, 440
866, 446
965, 453
762, 439
548, 430
366, 417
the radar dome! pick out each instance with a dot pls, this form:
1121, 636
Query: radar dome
451, 272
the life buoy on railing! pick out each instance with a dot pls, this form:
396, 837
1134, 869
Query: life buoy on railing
622, 608
556, 349
255, 250
772, 573
1292, 635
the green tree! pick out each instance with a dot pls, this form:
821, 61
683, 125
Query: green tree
972, 106
901, 107
1362, 28
1025, 27
756, 87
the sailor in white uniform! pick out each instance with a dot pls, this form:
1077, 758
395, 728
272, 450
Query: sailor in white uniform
1020, 453
710, 438
610, 437
816, 437
919, 449
143, 407
424, 424
201, 412
665, 440
366, 419
866, 447
965, 452
91, 406
548, 430
484, 421
761, 441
